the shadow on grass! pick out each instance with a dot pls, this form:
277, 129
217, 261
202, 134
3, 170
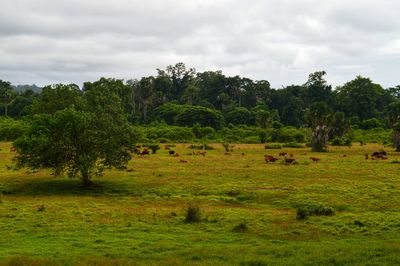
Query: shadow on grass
65, 186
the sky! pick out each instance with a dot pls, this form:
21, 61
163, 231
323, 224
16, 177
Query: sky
57, 41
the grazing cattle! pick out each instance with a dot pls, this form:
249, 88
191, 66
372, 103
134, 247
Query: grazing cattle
202, 153
145, 152
176, 154
183, 161
270, 158
171, 152
378, 154
289, 161
282, 154
315, 159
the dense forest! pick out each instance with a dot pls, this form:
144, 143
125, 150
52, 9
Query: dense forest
212, 102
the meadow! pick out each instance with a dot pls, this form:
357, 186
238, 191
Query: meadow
248, 210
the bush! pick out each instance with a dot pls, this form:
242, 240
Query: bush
314, 210
341, 141
201, 147
193, 214
273, 146
11, 129
287, 134
293, 145
372, 123
153, 147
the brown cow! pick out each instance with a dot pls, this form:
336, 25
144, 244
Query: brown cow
145, 152
282, 154
315, 159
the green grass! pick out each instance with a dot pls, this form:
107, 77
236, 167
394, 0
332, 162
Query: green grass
138, 217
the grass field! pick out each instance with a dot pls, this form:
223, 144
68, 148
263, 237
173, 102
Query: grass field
137, 217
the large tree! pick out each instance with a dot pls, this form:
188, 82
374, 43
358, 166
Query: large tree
80, 142
320, 120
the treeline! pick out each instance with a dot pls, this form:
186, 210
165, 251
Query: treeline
179, 96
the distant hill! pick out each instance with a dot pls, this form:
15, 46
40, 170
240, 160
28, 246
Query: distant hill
21, 88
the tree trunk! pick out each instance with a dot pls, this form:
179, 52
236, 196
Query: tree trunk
86, 178
396, 139
319, 139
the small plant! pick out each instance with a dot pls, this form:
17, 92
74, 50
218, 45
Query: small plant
41, 208
240, 228
193, 214
396, 161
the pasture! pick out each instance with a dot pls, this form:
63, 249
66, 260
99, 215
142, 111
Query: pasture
248, 210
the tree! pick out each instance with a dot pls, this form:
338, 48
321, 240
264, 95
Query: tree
393, 113
319, 119
360, 97
80, 142
201, 115
7, 94
57, 97
240, 116
316, 89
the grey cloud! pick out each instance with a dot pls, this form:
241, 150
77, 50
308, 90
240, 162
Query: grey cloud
51, 41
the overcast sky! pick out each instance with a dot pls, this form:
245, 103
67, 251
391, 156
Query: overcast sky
282, 41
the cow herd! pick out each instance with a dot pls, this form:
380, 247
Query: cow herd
284, 157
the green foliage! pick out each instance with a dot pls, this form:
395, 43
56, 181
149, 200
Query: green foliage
153, 147
273, 146
240, 116
58, 97
371, 123
288, 134
11, 129
263, 136
75, 142
293, 145
201, 115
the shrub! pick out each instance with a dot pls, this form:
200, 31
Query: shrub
153, 147
314, 210
293, 145
11, 129
240, 228
337, 142
193, 214
200, 147
273, 146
